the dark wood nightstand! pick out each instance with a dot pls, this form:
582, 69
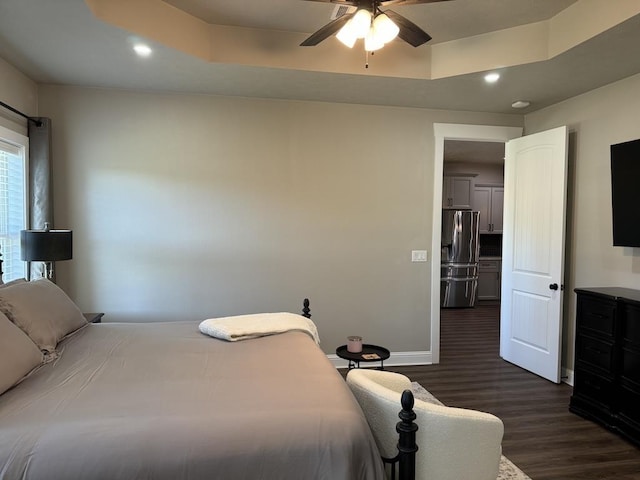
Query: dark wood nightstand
93, 317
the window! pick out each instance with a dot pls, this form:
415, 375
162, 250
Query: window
13, 201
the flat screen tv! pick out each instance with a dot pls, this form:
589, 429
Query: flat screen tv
625, 193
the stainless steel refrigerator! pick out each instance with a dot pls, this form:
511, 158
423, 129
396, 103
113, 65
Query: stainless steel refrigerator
459, 259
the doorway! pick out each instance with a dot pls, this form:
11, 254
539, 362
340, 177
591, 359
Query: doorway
452, 133
477, 170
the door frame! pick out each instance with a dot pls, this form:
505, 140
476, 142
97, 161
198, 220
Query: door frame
443, 132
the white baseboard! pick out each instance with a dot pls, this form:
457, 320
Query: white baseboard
567, 376
397, 359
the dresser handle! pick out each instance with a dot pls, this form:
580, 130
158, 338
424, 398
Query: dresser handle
594, 349
593, 385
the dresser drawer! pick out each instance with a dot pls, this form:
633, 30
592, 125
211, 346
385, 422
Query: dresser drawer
631, 324
596, 314
594, 388
629, 411
593, 353
630, 366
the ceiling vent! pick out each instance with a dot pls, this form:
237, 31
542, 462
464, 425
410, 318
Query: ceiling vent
341, 10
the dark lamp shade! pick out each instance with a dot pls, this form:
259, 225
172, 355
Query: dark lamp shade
46, 245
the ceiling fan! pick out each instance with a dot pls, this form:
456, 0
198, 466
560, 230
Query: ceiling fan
368, 21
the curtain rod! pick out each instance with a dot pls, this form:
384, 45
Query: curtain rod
30, 119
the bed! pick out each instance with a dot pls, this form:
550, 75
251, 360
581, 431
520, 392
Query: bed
163, 401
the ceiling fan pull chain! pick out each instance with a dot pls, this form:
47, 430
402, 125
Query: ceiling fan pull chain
366, 59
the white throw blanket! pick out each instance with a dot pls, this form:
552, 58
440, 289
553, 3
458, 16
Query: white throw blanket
244, 327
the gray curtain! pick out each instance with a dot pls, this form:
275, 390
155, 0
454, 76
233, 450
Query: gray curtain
40, 181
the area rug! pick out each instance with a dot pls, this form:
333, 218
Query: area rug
508, 471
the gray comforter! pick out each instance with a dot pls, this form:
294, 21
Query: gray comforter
163, 401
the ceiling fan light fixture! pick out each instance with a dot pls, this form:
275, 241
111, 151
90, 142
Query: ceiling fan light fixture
347, 35
384, 29
366, 18
372, 42
361, 23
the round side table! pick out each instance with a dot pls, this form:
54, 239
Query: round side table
369, 353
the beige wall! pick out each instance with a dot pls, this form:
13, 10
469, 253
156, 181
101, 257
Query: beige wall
255, 204
19, 91
187, 206
596, 120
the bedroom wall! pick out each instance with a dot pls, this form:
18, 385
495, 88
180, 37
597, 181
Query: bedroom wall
19, 91
595, 120
187, 206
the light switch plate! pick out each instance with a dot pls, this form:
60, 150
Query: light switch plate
418, 255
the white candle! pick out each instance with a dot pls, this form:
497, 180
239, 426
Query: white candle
354, 344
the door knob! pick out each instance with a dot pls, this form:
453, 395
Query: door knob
553, 286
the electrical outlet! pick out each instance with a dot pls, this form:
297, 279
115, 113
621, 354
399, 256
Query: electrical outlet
418, 255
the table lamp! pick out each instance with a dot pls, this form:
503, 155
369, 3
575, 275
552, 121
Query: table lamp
47, 246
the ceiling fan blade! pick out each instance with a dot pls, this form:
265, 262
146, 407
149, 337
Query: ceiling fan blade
409, 31
329, 29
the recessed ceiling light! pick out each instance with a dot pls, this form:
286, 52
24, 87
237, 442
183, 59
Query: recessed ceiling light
520, 104
491, 77
142, 49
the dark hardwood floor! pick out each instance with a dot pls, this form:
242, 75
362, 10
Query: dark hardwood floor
541, 436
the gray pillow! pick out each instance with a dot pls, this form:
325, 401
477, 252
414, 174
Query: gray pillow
42, 310
18, 354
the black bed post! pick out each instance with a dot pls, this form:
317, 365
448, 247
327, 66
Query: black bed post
406, 429
306, 311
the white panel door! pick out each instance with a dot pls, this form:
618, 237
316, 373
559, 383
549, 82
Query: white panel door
533, 252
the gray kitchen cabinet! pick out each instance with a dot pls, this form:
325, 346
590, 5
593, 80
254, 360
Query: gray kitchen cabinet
489, 277
457, 192
489, 201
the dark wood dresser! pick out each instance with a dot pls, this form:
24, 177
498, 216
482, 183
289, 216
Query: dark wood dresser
607, 359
